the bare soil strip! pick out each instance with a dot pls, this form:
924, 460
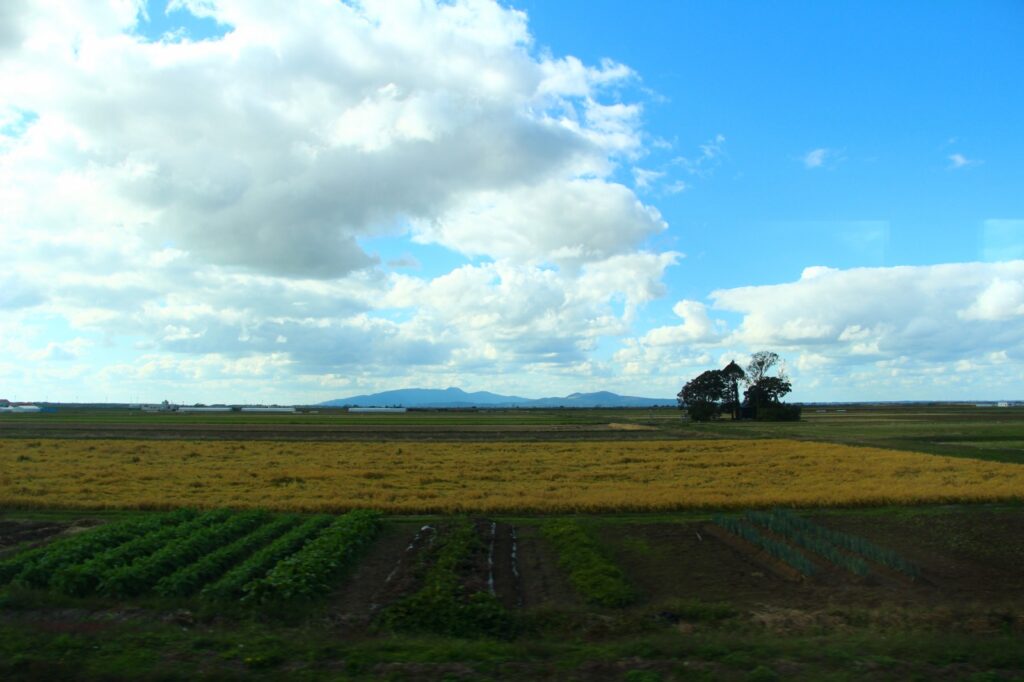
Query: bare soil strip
755, 554
23, 534
508, 585
385, 574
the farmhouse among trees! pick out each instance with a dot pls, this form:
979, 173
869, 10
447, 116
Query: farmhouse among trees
716, 391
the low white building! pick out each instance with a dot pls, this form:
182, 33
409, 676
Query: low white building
279, 410
376, 410
21, 408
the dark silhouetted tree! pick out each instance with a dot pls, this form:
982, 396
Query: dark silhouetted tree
733, 374
706, 396
703, 396
763, 389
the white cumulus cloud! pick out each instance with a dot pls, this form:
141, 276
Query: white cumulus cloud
862, 333
277, 146
883, 312
195, 211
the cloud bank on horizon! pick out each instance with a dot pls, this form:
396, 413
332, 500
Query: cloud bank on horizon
328, 198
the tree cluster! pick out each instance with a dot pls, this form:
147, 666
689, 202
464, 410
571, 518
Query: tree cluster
716, 391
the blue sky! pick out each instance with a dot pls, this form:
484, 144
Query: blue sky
892, 90
215, 201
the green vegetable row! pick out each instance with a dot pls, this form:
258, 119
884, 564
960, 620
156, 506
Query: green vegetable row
442, 605
808, 538
140, 575
256, 566
35, 567
591, 573
307, 573
188, 579
84, 578
852, 543
779, 550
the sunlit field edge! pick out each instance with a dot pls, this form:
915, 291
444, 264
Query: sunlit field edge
487, 477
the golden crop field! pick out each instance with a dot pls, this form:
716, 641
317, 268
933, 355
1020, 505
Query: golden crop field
486, 476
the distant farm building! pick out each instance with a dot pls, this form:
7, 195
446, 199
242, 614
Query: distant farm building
20, 408
162, 407
279, 410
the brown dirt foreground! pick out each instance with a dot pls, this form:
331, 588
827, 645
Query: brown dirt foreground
519, 569
683, 570
970, 557
968, 561
671, 563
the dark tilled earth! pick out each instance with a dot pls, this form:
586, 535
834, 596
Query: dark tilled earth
682, 568
970, 560
967, 560
18, 534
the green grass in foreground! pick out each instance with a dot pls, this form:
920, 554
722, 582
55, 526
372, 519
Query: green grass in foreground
70, 650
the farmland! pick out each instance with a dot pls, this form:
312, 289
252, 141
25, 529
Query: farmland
426, 477
710, 552
269, 559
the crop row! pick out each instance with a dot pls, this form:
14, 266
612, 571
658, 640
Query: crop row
789, 524
220, 553
780, 550
140, 575
188, 579
35, 567
443, 604
231, 584
806, 535
84, 578
307, 572
591, 573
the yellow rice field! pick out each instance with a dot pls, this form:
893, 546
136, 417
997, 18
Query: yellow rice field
486, 476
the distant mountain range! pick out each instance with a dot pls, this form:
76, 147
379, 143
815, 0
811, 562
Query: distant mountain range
456, 397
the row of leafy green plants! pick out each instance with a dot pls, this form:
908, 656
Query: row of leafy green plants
258, 558
780, 550
446, 600
218, 554
849, 552
828, 543
593, 575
